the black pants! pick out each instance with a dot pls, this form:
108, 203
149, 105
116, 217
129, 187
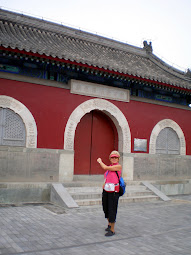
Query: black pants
110, 204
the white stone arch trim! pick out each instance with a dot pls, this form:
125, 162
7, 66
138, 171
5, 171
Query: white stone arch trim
26, 115
164, 124
108, 108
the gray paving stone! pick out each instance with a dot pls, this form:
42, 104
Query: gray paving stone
142, 229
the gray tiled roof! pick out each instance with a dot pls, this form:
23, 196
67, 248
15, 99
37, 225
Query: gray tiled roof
43, 37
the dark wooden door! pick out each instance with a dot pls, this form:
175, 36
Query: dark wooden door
96, 136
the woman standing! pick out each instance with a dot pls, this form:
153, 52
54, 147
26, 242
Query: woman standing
110, 195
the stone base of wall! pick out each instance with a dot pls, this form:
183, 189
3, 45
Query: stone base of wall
35, 165
161, 167
174, 187
15, 193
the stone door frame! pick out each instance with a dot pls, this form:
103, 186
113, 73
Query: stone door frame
118, 118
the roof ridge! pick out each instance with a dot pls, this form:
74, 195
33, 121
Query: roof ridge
168, 68
77, 33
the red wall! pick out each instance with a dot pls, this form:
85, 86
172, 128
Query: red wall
51, 108
142, 117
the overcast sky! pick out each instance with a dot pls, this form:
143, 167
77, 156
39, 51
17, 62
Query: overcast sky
166, 23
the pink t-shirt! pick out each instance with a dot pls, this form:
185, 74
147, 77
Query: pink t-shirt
112, 177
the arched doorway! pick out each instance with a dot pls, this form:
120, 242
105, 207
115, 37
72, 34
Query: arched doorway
123, 131
95, 136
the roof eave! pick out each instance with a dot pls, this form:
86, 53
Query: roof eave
86, 66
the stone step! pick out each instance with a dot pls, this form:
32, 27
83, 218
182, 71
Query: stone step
83, 184
91, 189
88, 193
97, 201
78, 196
138, 198
135, 188
98, 194
97, 178
72, 190
137, 193
96, 183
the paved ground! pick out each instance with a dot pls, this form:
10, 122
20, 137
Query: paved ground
149, 228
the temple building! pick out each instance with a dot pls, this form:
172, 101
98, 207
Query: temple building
68, 97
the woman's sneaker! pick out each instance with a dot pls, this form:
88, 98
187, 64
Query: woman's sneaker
110, 233
108, 228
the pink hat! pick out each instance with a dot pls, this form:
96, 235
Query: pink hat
114, 156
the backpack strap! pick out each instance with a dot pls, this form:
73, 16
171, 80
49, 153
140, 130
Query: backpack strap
117, 174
